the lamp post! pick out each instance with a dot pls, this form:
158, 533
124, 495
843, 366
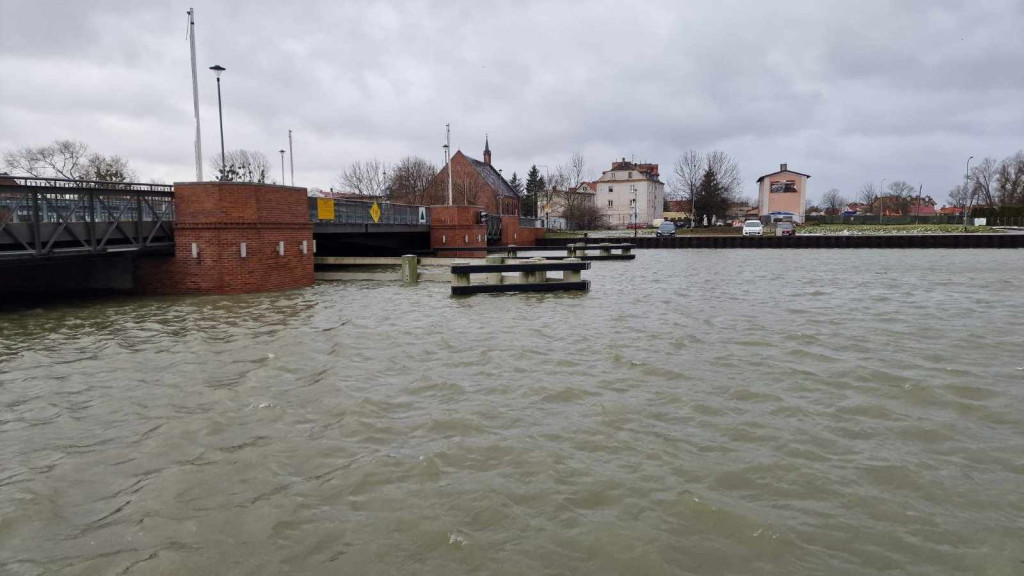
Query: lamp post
217, 69
282, 166
880, 186
967, 192
635, 216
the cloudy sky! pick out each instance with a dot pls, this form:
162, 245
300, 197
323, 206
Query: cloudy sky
846, 91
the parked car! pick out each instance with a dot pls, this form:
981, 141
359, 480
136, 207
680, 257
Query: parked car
785, 229
666, 229
753, 228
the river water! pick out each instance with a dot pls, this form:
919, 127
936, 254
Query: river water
697, 412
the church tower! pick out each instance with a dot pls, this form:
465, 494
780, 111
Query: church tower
487, 151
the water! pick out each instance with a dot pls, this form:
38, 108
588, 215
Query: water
698, 412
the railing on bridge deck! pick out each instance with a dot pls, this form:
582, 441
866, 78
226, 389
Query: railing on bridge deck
43, 216
352, 211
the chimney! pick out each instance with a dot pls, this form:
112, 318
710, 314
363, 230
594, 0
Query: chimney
783, 167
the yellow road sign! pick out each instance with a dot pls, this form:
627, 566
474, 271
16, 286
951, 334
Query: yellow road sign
375, 213
325, 208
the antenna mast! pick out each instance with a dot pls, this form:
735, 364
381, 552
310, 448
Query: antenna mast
291, 158
448, 158
195, 93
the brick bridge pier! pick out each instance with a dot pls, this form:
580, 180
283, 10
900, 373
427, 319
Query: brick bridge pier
233, 238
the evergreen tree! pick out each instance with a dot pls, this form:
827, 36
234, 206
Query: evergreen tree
516, 184
534, 188
711, 199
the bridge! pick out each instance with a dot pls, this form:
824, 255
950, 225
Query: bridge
212, 237
50, 217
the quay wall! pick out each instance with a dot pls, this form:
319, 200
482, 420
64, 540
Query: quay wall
807, 241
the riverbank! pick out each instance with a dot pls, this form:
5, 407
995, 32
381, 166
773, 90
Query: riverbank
808, 241
810, 229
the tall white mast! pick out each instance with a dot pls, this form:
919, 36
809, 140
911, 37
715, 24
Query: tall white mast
448, 158
291, 158
195, 94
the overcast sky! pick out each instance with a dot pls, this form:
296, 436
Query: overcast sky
846, 91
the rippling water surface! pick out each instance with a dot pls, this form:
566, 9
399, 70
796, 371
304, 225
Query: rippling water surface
698, 412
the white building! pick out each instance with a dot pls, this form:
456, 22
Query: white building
630, 193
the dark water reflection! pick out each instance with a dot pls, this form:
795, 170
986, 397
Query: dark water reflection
699, 412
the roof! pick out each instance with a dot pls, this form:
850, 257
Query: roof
649, 171
493, 178
783, 172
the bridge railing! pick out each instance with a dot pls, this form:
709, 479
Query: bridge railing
351, 211
41, 215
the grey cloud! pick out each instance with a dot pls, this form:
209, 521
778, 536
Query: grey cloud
848, 92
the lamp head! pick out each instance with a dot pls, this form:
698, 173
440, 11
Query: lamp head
217, 69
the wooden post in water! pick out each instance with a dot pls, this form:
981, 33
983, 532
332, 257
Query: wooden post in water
460, 279
410, 273
494, 277
572, 275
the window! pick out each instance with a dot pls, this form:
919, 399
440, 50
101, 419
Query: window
609, 203
630, 177
611, 189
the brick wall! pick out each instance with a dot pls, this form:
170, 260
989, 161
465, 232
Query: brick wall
218, 218
511, 233
456, 226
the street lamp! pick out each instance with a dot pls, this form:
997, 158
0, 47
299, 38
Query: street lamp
635, 217
282, 166
880, 186
217, 69
967, 193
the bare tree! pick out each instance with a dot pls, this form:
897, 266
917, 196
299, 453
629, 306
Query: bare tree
61, 159
901, 189
833, 202
696, 173
241, 166
727, 172
983, 182
959, 196
572, 174
867, 194
688, 171
582, 213
366, 177
1010, 179
410, 178
109, 169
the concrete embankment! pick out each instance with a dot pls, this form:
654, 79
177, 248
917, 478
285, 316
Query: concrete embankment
810, 241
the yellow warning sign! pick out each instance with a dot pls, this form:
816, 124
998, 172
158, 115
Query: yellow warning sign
325, 208
375, 213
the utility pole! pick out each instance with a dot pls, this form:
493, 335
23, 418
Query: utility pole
448, 158
195, 93
920, 189
291, 159
635, 215
880, 185
967, 194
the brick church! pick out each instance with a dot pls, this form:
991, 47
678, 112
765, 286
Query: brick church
474, 183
